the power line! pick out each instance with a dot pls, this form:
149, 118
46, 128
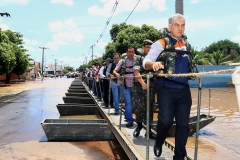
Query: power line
106, 25
16, 25
132, 11
109, 19
124, 22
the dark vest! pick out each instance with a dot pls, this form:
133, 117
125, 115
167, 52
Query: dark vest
105, 70
112, 67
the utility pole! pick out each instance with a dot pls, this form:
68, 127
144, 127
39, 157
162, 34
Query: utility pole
43, 48
61, 69
92, 52
179, 6
55, 67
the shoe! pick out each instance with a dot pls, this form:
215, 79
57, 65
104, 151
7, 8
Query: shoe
116, 112
157, 150
111, 105
151, 135
129, 124
136, 132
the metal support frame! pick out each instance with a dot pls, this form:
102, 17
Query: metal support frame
147, 116
122, 93
198, 117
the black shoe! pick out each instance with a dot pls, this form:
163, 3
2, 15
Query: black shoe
129, 124
116, 112
157, 150
151, 135
136, 132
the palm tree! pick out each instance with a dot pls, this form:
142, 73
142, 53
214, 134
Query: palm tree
218, 58
199, 57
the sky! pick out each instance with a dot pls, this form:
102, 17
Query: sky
68, 28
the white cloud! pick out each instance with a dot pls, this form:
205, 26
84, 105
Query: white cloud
67, 33
67, 2
202, 24
70, 61
236, 38
8, 2
31, 42
124, 6
31, 49
157, 23
101, 44
4, 27
52, 45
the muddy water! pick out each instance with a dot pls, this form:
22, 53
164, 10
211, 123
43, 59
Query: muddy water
220, 139
24, 106
21, 115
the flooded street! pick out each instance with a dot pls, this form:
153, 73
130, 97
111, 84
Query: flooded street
21, 134
22, 137
220, 139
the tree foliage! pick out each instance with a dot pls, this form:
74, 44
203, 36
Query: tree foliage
69, 69
199, 57
13, 58
226, 46
218, 58
124, 36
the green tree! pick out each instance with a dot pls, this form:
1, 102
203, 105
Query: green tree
69, 69
65, 71
82, 67
7, 56
218, 58
129, 35
199, 57
226, 46
21, 59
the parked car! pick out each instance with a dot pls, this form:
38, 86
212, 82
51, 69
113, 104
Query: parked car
48, 75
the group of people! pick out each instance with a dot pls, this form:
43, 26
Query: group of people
168, 55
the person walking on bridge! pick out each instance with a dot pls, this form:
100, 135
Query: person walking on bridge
171, 54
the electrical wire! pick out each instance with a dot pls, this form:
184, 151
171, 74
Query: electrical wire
124, 22
107, 23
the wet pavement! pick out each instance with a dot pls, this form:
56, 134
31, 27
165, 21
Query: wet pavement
22, 137
22, 109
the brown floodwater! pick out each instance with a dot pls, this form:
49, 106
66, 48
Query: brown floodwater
23, 106
218, 140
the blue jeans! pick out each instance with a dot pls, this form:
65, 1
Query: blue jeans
116, 92
174, 103
128, 103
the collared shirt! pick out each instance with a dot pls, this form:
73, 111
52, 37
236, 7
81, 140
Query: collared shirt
101, 72
156, 49
129, 81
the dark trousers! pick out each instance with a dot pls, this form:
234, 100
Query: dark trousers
174, 103
90, 84
99, 89
106, 93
